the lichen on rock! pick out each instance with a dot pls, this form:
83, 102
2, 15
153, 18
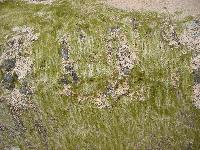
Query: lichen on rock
68, 70
119, 52
196, 95
46, 2
122, 58
191, 39
191, 36
23, 67
168, 33
16, 63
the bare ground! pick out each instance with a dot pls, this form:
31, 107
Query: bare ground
188, 7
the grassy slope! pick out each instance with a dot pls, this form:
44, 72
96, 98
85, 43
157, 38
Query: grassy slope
166, 119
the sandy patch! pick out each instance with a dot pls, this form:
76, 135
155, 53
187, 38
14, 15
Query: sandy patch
188, 7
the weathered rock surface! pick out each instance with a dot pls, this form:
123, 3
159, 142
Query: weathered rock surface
191, 39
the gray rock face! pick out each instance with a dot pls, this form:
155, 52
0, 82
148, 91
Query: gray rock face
25, 89
191, 39
9, 81
16, 63
68, 67
8, 64
72, 72
119, 52
64, 81
65, 48
191, 36
196, 74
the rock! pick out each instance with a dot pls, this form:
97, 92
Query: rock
121, 55
25, 89
23, 67
74, 75
191, 36
19, 102
65, 47
8, 64
196, 95
101, 102
67, 64
196, 62
196, 75
45, 2
9, 81
65, 54
194, 25
12, 148
64, 80
134, 23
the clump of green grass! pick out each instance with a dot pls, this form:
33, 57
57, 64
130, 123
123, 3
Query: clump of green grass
166, 119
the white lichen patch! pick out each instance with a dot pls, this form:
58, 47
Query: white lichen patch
117, 45
191, 39
66, 90
45, 2
175, 79
123, 58
101, 101
19, 43
126, 57
191, 36
16, 64
19, 47
23, 67
19, 102
138, 94
67, 68
122, 90
196, 95
44, 15
27, 31
196, 62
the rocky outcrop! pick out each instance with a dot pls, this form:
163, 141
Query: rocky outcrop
191, 39
123, 58
16, 65
119, 53
68, 72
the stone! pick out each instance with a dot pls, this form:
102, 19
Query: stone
64, 80
25, 89
12, 148
8, 64
9, 81
23, 67
191, 37
196, 75
196, 95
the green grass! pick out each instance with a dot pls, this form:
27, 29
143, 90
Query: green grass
166, 119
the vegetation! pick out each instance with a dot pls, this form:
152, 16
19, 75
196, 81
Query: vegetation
160, 115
